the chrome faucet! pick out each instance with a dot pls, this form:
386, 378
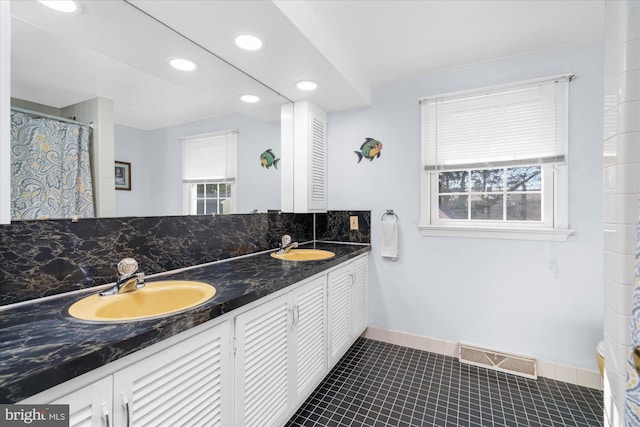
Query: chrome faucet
286, 245
128, 279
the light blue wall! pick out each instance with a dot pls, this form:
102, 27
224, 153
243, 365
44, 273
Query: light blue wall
156, 158
542, 299
132, 146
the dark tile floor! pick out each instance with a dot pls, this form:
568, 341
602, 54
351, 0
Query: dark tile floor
380, 384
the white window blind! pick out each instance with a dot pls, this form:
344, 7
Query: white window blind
497, 127
209, 158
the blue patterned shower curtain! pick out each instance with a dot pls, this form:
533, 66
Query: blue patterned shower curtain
50, 169
632, 400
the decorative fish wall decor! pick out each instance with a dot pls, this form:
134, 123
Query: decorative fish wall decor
268, 159
370, 149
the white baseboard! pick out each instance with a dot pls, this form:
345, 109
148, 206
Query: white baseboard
554, 371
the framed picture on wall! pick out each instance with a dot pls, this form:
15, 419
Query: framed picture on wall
123, 176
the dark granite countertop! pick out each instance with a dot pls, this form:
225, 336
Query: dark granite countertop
42, 347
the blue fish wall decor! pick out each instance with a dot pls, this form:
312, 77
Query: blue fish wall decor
268, 159
370, 149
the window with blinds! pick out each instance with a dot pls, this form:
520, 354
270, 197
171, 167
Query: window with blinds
496, 159
209, 173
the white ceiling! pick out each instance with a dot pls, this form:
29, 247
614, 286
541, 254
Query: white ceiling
114, 50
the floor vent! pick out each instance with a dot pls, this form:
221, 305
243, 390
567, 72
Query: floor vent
503, 362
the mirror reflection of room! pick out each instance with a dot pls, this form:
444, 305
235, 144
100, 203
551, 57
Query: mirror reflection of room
132, 104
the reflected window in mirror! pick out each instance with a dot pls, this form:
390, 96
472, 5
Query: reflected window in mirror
210, 198
209, 173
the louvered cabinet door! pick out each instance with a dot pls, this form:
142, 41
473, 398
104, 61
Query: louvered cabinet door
309, 337
90, 406
359, 297
262, 364
184, 385
339, 308
317, 161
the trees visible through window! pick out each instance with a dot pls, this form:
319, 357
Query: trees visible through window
506, 194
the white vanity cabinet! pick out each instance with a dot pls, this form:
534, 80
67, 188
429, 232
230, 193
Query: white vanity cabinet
262, 358
348, 306
253, 366
280, 354
359, 297
182, 385
185, 383
309, 339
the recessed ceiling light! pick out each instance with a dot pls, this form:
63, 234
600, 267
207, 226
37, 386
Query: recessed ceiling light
250, 98
248, 42
306, 85
183, 64
66, 6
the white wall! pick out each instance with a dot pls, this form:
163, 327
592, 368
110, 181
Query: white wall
542, 299
156, 158
132, 146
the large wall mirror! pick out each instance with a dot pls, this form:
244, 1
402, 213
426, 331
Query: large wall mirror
109, 64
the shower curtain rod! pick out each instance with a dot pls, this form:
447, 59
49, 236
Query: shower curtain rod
49, 116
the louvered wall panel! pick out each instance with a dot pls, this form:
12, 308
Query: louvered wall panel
187, 388
359, 297
310, 335
264, 363
339, 307
318, 160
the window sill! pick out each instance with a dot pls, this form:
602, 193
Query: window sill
544, 234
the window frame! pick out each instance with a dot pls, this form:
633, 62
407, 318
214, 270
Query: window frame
554, 225
189, 193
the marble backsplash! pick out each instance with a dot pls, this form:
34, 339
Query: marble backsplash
334, 226
48, 257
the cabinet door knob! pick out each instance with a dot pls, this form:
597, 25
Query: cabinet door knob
297, 308
293, 317
125, 403
105, 414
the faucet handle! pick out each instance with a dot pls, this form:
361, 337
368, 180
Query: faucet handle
140, 280
127, 266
